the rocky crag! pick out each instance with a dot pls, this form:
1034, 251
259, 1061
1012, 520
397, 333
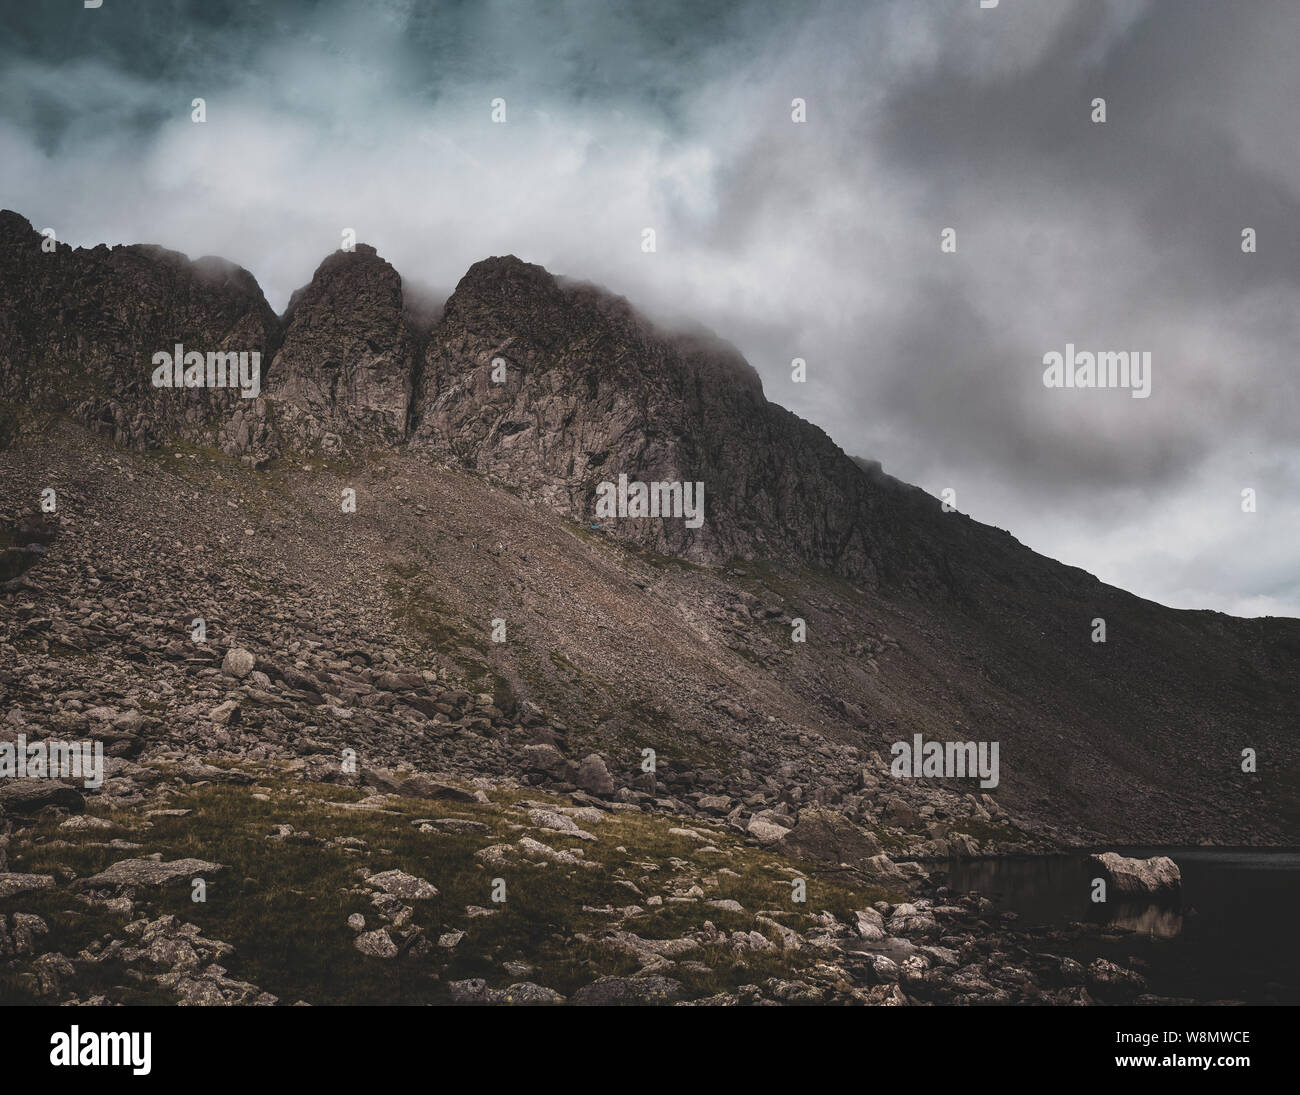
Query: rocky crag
370, 634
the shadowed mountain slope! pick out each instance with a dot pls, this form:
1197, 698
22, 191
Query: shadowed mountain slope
646, 632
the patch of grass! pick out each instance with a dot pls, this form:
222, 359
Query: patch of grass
284, 905
436, 626
641, 724
1000, 831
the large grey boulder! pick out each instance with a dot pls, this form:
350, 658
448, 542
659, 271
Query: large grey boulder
12, 885
376, 944
764, 831
830, 837
1154, 878
870, 924
25, 797
149, 872
543, 758
238, 662
400, 884
594, 777
908, 919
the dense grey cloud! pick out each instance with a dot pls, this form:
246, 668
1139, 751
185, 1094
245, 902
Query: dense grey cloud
816, 240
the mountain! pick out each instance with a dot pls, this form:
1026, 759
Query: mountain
345, 363
79, 328
476, 501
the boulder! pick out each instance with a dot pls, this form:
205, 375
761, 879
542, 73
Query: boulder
1157, 878
238, 662
593, 776
543, 758
528, 992
830, 837
1113, 983
870, 925
376, 944
884, 969
400, 884
25, 797
149, 872
907, 919
899, 812
422, 786
549, 819
765, 832
882, 867
12, 885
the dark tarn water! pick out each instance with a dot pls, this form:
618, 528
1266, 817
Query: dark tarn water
1234, 934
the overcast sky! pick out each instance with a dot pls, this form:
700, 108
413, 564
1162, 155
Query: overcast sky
818, 240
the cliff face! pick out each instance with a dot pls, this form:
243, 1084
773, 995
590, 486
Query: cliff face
79, 328
343, 375
591, 391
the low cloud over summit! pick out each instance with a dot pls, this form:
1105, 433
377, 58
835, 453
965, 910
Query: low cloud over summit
817, 240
